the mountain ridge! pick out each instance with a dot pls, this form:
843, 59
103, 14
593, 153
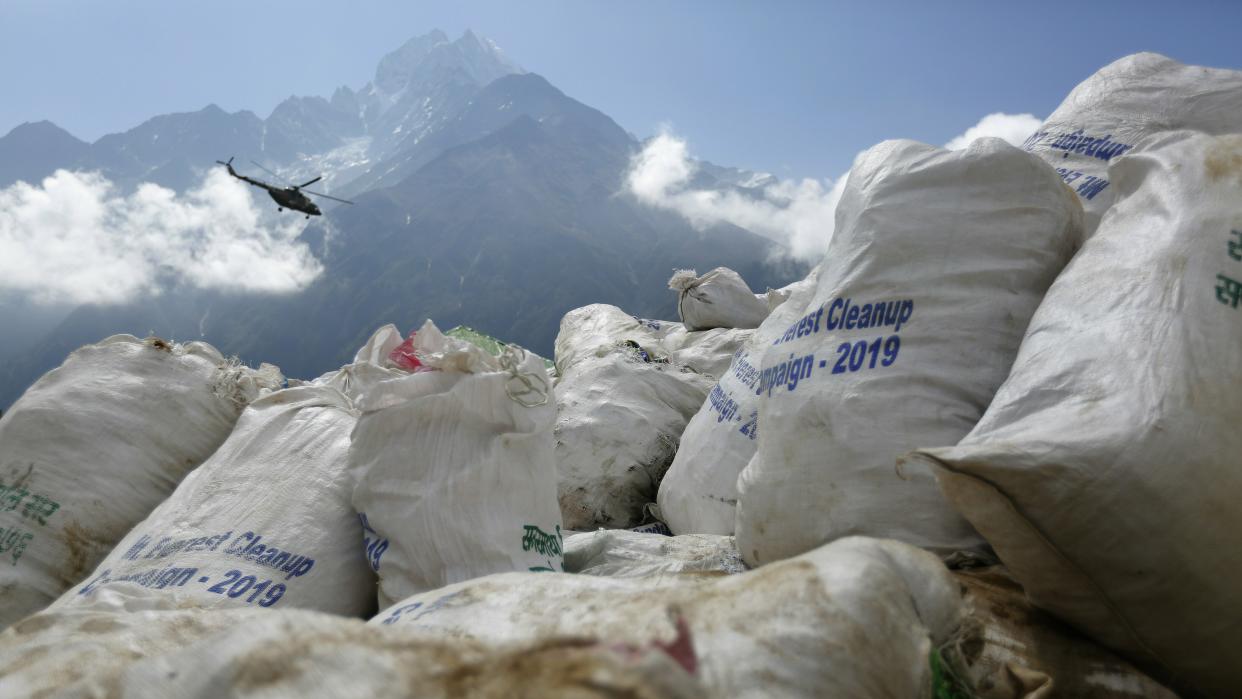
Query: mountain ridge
511, 210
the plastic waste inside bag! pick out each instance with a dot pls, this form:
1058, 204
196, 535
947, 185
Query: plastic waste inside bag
403, 355
486, 342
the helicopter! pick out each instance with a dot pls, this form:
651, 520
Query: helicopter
291, 197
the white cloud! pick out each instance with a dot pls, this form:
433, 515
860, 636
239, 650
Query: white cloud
74, 239
1012, 128
796, 213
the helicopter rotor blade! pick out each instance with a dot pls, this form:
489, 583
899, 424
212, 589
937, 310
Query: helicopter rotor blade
310, 182
278, 177
327, 196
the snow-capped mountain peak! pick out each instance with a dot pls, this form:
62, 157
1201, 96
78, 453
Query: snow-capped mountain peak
423, 82
428, 58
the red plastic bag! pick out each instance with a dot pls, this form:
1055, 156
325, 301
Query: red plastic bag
403, 355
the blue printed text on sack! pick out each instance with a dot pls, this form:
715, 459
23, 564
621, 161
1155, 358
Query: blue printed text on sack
845, 314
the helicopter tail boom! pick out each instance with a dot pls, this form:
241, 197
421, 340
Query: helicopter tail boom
228, 165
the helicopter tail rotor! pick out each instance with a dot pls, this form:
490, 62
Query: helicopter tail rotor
228, 165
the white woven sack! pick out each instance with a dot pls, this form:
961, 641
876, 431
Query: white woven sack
127, 644
294, 655
454, 468
265, 522
718, 299
938, 261
82, 650
856, 618
698, 494
621, 407
95, 444
1105, 472
618, 422
1106, 115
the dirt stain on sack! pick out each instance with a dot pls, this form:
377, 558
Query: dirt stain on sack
159, 343
28, 658
80, 546
792, 617
273, 664
23, 480
442, 667
101, 625
1225, 160
569, 667
33, 624
1007, 647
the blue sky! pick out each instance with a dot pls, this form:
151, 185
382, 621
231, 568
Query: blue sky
794, 88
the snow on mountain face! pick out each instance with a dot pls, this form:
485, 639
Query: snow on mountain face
338, 166
424, 82
417, 88
396, 68
421, 59
491, 108
483, 58
302, 125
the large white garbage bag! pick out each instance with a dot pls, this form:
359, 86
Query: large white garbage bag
82, 650
856, 618
95, 444
718, 299
1106, 115
295, 655
454, 468
1106, 471
619, 419
266, 521
143, 647
699, 493
938, 261
621, 408
620, 553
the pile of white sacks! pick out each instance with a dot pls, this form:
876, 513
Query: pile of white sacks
988, 447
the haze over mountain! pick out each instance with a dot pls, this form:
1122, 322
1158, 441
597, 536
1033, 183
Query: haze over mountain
484, 196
